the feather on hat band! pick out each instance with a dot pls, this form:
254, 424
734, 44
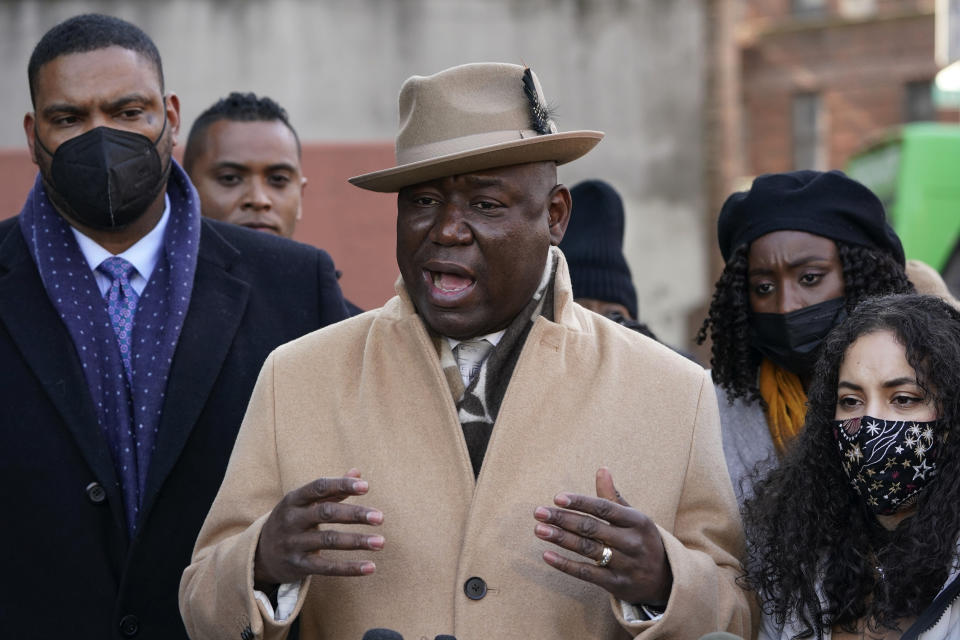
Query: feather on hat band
470, 118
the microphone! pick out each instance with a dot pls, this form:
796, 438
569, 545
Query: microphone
720, 635
382, 634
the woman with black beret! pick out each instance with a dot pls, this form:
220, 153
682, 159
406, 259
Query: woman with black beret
801, 250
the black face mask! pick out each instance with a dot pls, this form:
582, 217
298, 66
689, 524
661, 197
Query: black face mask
792, 340
106, 178
888, 461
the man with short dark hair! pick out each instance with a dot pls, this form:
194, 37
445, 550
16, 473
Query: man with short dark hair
479, 419
131, 333
243, 156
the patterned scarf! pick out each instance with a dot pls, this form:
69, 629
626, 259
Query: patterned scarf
786, 403
479, 404
129, 415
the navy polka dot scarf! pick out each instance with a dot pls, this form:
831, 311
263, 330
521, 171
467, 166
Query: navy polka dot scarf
129, 414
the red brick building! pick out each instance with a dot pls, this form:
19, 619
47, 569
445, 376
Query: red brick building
801, 84
822, 78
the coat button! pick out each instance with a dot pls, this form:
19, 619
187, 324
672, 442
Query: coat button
129, 625
96, 492
475, 588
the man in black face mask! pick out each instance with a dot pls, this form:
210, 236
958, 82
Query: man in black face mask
801, 250
131, 334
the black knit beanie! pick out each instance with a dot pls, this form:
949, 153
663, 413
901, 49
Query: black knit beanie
827, 204
593, 246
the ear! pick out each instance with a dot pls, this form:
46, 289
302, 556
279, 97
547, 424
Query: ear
172, 105
29, 128
303, 187
559, 212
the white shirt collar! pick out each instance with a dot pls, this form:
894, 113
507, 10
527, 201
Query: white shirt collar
492, 338
143, 255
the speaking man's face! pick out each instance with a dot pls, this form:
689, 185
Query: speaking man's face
472, 248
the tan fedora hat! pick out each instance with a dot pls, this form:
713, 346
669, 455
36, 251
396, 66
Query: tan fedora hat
474, 117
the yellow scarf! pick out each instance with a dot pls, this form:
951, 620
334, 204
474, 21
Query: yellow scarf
786, 403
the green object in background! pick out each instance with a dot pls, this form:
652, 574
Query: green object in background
915, 171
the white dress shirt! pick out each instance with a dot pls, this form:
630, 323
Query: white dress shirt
143, 255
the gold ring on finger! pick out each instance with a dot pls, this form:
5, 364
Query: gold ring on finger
605, 557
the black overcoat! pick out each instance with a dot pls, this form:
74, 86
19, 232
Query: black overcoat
68, 567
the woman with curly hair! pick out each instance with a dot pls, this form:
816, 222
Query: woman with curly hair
855, 534
801, 250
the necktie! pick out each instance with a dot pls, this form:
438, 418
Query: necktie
121, 305
470, 355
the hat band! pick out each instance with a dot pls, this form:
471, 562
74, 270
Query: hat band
433, 150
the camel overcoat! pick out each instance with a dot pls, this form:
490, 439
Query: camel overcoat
369, 393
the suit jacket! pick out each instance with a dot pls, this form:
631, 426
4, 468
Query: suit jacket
585, 392
69, 569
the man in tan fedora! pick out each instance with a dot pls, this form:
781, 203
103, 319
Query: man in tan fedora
480, 418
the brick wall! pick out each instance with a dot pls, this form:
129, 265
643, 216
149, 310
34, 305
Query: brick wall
777, 10
859, 66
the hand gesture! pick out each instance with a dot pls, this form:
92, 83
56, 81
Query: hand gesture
624, 548
298, 540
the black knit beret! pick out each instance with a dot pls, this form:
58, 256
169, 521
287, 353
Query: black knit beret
593, 246
827, 204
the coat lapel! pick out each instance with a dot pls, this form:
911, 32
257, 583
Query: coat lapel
217, 304
46, 346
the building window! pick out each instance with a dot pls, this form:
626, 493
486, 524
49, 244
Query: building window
808, 148
918, 102
811, 8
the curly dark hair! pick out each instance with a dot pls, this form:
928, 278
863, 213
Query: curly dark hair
808, 530
866, 272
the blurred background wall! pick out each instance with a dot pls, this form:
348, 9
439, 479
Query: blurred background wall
632, 69
696, 96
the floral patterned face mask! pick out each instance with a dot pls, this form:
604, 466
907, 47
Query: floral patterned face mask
888, 461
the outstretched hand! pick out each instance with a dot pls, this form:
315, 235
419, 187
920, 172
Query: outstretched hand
297, 539
636, 571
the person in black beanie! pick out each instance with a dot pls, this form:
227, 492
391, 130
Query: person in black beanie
593, 247
801, 250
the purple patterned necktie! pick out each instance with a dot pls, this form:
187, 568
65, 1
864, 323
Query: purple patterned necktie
121, 305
